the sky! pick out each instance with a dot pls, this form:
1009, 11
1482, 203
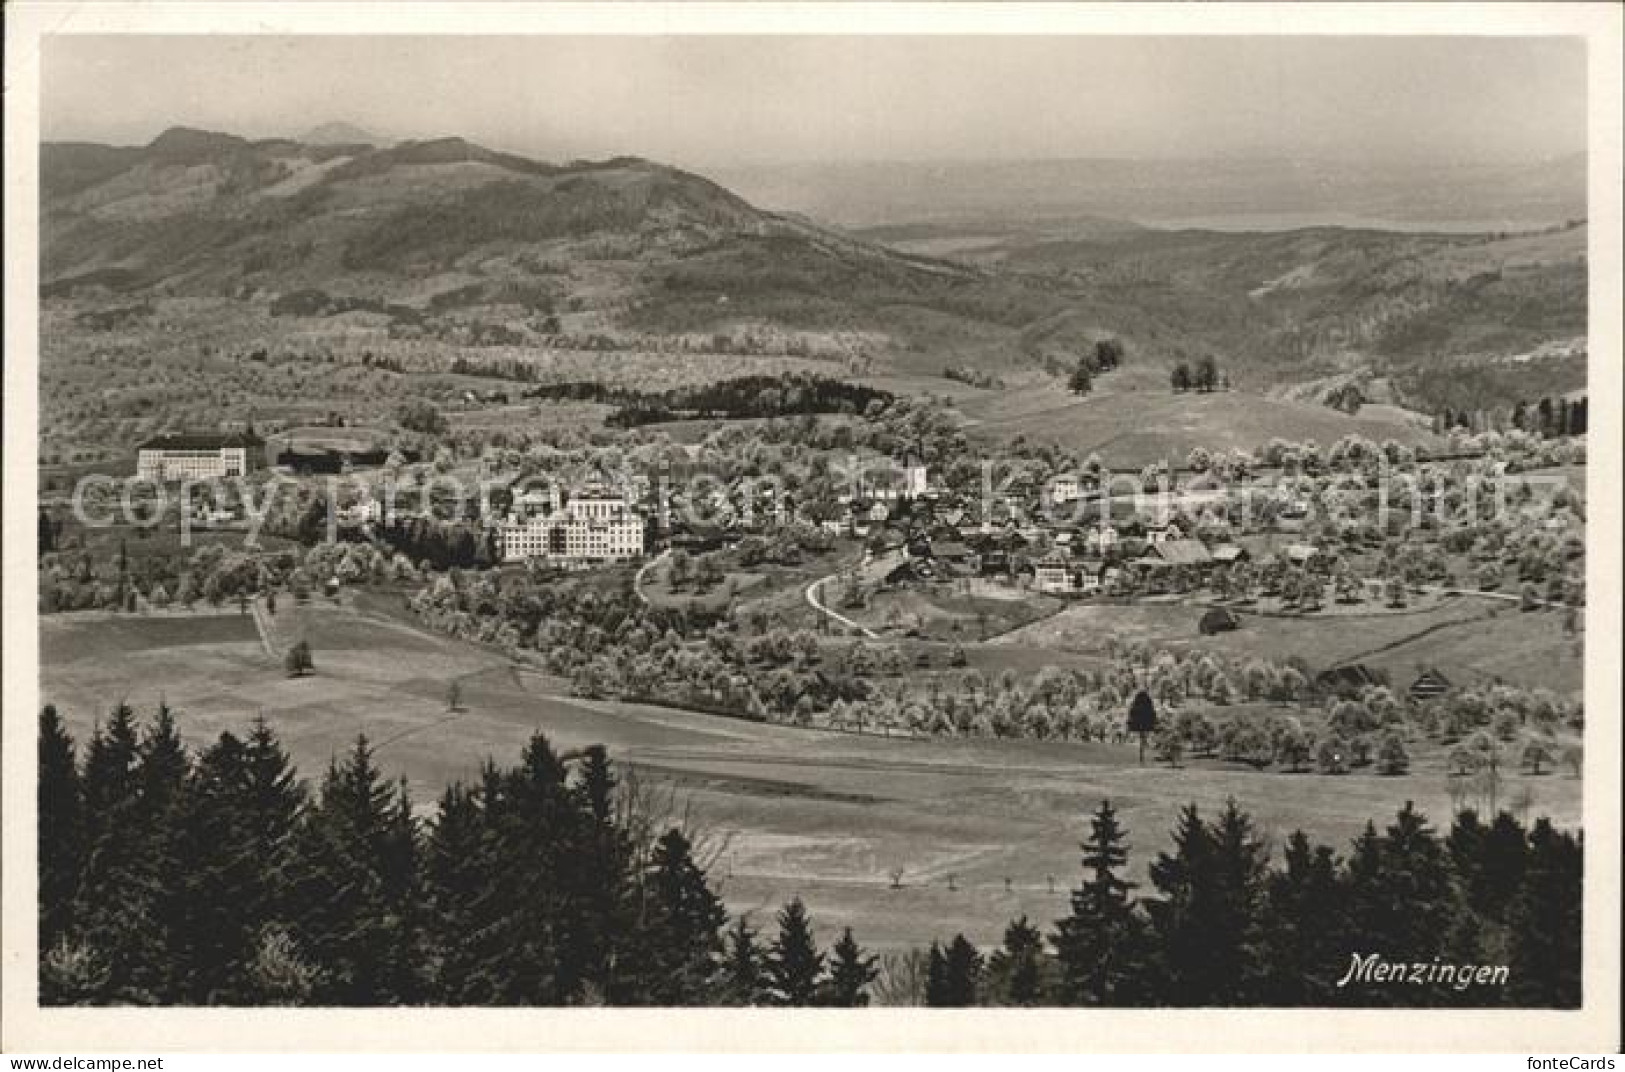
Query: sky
725, 101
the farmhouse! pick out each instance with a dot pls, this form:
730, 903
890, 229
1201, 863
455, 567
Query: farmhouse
1058, 575
1429, 685
595, 525
1065, 489
1348, 681
954, 553
1229, 554
1101, 539
1157, 535
1053, 574
1302, 554
1179, 553
196, 457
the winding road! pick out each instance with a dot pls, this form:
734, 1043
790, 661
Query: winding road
878, 567
642, 574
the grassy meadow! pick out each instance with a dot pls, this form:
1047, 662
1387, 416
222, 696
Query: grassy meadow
969, 832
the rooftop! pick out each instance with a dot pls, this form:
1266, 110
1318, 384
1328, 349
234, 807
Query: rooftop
1182, 552
201, 441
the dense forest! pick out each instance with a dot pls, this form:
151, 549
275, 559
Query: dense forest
788, 395
219, 877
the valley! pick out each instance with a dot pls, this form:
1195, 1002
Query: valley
864, 551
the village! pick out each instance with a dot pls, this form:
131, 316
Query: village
1292, 532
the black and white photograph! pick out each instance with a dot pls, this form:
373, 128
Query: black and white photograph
787, 519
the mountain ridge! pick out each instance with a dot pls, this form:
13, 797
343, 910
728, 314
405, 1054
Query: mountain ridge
444, 229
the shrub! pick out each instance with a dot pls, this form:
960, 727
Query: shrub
1536, 755
298, 662
1393, 759
1333, 756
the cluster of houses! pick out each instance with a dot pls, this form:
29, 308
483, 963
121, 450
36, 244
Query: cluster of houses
1080, 561
890, 505
1354, 679
1071, 569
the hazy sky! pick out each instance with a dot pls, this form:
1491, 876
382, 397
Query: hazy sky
719, 101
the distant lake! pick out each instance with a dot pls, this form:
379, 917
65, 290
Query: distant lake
1293, 221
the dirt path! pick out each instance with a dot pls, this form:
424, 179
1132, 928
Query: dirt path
265, 628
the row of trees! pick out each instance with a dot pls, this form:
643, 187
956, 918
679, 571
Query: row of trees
1107, 355
221, 878
1204, 376
1547, 417
785, 395
215, 574
1225, 927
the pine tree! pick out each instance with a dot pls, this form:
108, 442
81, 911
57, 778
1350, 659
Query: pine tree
61, 828
605, 940
1207, 923
1366, 908
682, 940
1302, 935
1417, 877
743, 971
1545, 923
1502, 859
598, 783
961, 974
794, 963
233, 826
114, 909
1014, 971
211, 938
354, 886
531, 939
1464, 845
163, 762
456, 871
850, 973
1101, 945
936, 978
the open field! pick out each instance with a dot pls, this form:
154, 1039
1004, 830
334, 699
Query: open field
1473, 640
828, 816
1135, 422
142, 542
962, 611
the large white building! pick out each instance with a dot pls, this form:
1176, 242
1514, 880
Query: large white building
593, 525
891, 481
196, 457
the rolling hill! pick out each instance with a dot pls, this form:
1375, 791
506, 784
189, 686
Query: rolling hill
447, 240
623, 244
1465, 320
